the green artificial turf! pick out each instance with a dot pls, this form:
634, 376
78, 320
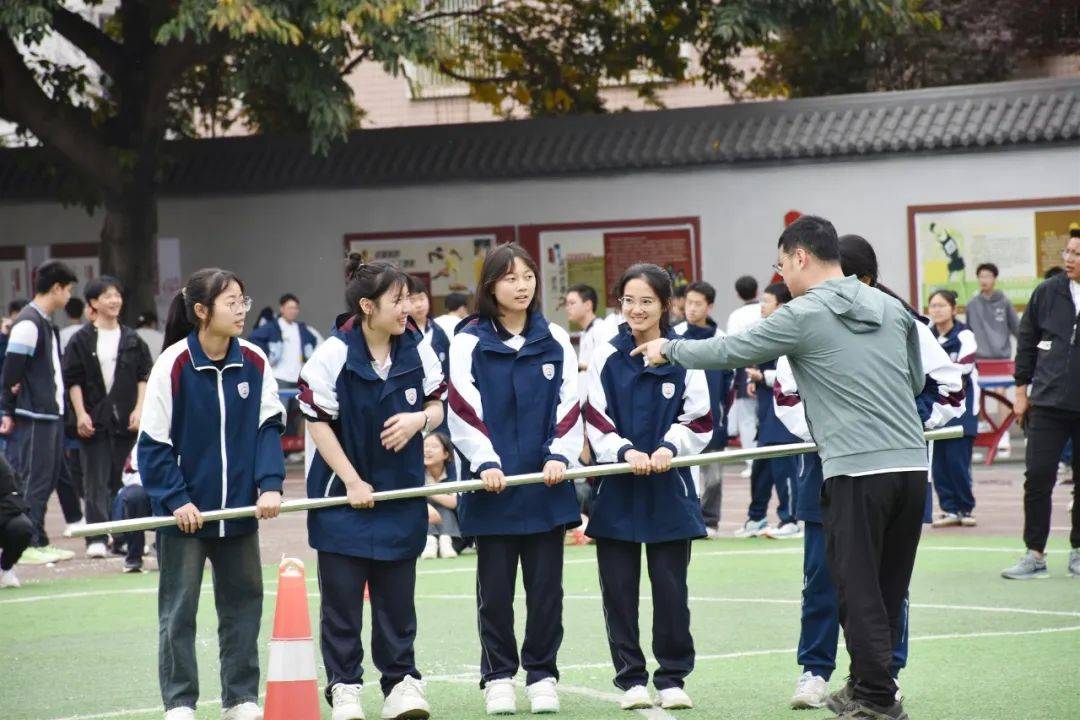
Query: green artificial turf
982, 647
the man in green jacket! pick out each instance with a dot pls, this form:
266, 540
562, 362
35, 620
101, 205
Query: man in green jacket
855, 355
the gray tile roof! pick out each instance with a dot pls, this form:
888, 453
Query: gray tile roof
949, 119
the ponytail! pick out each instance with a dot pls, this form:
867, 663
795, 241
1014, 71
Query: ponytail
202, 288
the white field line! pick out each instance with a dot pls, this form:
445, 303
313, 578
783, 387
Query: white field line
654, 714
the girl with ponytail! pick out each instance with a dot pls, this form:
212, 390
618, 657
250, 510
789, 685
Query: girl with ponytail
209, 440
369, 393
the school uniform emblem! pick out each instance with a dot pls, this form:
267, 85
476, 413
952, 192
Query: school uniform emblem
668, 390
549, 370
410, 396
243, 389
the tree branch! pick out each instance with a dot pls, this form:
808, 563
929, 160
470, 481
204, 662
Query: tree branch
55, 123
98, 46
167, 64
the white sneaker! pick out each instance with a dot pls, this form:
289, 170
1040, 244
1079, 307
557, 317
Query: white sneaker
636, 698
787, 531
946, 520
810, 692
899, 695
8, 579
58, 554
675, 699
543, 697
71, 527
431, 548
752, 528
180, 713
345, 700
711, 533
746, 473
243, 711
446, 547
500, 698
96, 551
406, 701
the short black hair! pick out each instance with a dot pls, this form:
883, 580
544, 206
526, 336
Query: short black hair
858, 258
587, 293
779, 291
74, 308
15, 306
815, 235
288, 297
1053, 272
94, 288
746, 287
947, 295
455, 301
678, 291
416, 285
146, 319
53, 272
704, 288
987, 266
498, 263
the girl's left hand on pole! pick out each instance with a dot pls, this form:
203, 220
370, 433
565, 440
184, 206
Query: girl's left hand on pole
661, 460
399, 430
554, 472
268, 505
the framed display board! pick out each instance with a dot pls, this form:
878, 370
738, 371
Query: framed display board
1023, 238
597, 253
449, 259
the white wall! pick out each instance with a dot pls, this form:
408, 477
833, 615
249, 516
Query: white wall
294, 241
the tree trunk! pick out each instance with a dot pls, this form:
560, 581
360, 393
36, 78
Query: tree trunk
129, 246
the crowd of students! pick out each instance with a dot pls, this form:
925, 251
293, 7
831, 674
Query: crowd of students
393, 398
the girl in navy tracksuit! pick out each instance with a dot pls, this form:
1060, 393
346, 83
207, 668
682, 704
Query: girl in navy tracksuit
420, 303
646, 416
951, 470
368, 393
210, 439
514, 408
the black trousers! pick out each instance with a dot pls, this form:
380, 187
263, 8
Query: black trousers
619, 563
872, 528
393, 618
541, 558
102, 458
1048, 429
69, 489
15, 534
41, 467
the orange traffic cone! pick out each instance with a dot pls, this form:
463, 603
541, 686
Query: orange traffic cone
292, 686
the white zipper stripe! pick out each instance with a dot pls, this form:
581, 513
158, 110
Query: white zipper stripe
224, 452
333, 476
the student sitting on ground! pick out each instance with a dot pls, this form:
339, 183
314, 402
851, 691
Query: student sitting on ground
131, 502
443, 530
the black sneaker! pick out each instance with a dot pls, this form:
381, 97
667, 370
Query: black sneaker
839, 700
133, 567
862, 710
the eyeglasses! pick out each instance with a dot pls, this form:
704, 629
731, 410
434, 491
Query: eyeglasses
643, 303
1067, 255
238, 307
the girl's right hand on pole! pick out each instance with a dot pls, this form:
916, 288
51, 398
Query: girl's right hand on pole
640, 463
188, 518
494, 480
360, 495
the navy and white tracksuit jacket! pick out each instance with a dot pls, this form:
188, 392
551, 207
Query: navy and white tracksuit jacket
211, 436
339, 385
720, 383
950, 469
514, 405
268, 337
632, 406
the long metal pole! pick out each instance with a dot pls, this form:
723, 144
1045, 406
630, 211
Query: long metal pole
724, 457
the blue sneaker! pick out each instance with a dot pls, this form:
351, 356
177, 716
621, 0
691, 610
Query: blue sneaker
752, 528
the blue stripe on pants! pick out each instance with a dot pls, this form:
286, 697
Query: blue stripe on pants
820, 613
